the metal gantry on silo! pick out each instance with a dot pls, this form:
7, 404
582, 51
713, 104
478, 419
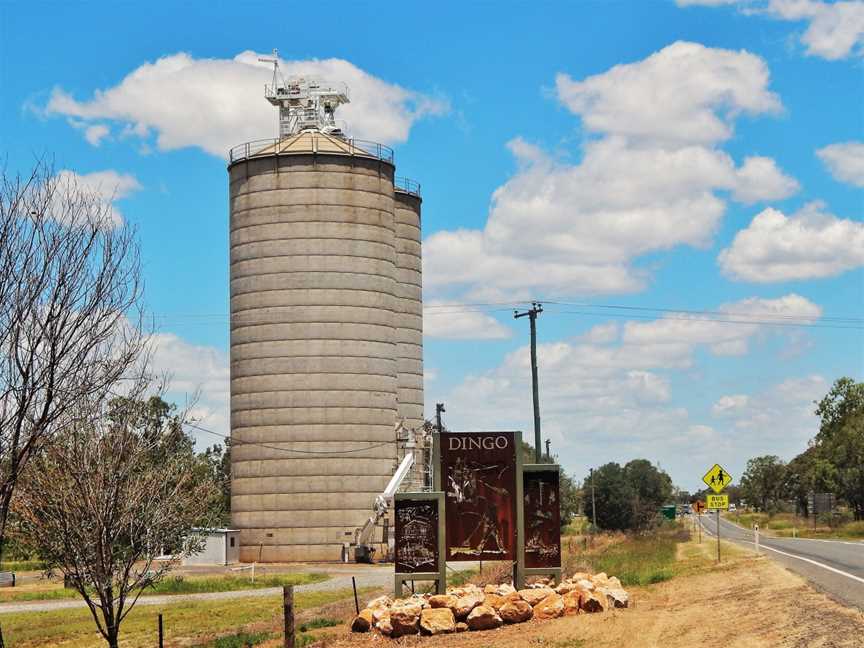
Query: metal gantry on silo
326, 328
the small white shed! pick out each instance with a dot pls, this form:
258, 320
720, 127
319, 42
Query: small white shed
221, 547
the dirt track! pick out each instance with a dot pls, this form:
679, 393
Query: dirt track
748, 603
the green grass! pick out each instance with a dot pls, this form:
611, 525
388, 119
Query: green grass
22, 565
314, 624
196, 585
242, 639
786, 525
174, 584
637, 559
187, 623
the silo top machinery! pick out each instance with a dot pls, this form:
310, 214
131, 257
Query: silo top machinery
326, 329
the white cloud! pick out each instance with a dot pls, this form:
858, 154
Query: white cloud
728, 405
607, 395
685, 93
834, 30
96, 133
456, 323
845, 160
809, 244
672, 339
196, 371
652, 182
759, 179
108, 185
779, 420
170, 95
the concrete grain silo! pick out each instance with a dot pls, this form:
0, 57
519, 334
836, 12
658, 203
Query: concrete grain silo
325, 338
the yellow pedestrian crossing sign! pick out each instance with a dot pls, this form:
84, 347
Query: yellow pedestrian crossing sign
717, 479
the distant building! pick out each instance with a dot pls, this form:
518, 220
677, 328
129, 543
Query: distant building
221, 547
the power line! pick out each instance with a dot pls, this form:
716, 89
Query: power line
236, 442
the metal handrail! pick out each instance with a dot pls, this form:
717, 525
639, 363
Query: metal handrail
407, 185
256, 147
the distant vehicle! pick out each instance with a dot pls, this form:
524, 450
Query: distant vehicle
731, 507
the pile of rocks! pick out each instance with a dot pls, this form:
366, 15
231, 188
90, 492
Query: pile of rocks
474, 608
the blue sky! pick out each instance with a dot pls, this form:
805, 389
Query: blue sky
704, 155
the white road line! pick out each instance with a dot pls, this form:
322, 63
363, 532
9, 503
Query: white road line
812, 562
846, 542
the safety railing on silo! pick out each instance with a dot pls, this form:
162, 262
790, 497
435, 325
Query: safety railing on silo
407, 185
319, 144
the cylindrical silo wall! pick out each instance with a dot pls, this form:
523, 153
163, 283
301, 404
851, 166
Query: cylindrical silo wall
409, 304
313, 350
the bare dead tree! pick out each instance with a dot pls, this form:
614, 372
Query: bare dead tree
103, 499
69, 319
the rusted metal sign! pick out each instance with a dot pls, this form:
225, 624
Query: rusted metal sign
416, 542
478, 471
542, 519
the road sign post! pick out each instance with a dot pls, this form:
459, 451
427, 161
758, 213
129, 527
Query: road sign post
717, 479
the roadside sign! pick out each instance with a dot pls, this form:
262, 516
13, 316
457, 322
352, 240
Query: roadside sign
717, 502
699, 506
717, 478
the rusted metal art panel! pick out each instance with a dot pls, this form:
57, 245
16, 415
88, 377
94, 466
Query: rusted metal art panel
478, 471
542, 519
416, 541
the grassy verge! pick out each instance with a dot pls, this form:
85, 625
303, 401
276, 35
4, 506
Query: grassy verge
171, 585
635, 560
22, 565
787, 525
187, 623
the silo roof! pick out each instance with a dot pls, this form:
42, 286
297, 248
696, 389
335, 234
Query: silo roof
312, 142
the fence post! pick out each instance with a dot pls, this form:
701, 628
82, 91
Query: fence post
356, 602
161, 636
288, 614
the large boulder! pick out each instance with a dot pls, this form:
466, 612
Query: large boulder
585, 584
593, 602
535, 595
435, 621
379, 614
613, 583
516, 611
572, 602
616, 597
490, 588
484, 617
443, 601
385, 627
550, 607
363, 621
380, 602
566, 586
405, 619
506, 589
495, 601
461, 626
464, 604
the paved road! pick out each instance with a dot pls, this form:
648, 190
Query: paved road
834, 566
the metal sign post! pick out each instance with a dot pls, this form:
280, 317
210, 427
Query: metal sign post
717, 479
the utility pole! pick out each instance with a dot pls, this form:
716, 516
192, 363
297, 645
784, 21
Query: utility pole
532, 314
439, 409
593, 503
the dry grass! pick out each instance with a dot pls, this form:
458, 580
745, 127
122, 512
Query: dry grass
745, 602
